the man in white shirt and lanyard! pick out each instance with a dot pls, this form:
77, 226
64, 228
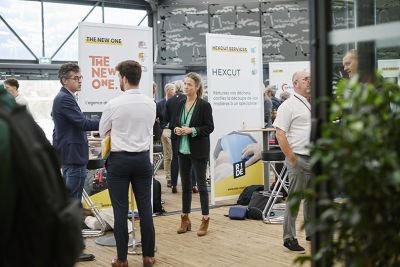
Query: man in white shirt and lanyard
129, 119
293, 127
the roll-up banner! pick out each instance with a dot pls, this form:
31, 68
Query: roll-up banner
101, 48
280, 75
390, 70
235, 92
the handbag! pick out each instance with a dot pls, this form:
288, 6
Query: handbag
106, 146
237, 213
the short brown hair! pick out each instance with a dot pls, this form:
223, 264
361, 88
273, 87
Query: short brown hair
66, 69
12, 82
130, 69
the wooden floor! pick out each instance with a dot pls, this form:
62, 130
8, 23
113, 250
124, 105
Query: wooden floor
228, 242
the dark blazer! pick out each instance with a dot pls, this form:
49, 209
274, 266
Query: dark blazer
202, 120
160, 112
172, 110
70, 126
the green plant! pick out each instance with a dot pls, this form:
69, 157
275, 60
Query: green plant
359, 159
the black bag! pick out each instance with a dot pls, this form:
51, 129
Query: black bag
157, 206
237, 213
45, 224
257, 205
245, 196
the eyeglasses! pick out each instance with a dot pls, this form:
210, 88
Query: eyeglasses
306, 79
76, 78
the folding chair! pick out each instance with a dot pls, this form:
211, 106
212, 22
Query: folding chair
94, 165
272, 157
158, 157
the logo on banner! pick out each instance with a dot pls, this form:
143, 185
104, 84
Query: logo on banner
141, 56
239, 169
235, 49
103, 76
103, 40
286, 87
253, 50
225, 72
142, 44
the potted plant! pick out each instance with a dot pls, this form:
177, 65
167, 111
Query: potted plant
359, 156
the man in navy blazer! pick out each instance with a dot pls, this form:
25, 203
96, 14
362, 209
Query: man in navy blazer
70, 126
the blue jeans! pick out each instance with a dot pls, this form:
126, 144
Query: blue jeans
134, 168
74, 178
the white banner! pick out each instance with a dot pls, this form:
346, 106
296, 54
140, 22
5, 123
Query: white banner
101, 48
235, 91
390, 69
280, 75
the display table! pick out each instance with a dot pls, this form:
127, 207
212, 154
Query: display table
266, 136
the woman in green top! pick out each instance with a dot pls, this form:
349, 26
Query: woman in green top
193, 127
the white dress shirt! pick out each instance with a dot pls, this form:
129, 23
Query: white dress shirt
294, 118
130, 118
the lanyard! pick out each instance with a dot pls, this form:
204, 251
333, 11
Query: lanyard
302, 102
186, 115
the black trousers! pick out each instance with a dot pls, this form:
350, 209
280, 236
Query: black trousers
175, 162
199, 166
124, 168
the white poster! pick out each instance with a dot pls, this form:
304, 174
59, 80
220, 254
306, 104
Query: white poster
280, 75
101, 48
235, 92
390, 70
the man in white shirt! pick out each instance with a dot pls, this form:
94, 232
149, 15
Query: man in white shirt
293, 127
129, 119
350, 63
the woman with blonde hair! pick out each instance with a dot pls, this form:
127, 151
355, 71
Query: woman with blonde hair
193, 127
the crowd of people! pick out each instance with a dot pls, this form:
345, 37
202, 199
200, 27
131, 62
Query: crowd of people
185, 120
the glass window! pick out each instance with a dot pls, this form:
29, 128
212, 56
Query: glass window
25, 19
124, 16
58, 25
11, 47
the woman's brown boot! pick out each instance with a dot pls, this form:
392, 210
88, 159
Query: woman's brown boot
185, 224
203, 227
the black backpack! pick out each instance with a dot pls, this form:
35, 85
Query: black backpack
157, 205
245, 196
44, 225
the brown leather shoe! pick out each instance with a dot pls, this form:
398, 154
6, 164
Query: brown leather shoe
174, 190
117, 263
185, 224
203, 227
148, 261
194, 189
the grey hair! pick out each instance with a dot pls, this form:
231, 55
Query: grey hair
167, 86
178, 86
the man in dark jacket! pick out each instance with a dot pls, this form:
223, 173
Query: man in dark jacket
70, 126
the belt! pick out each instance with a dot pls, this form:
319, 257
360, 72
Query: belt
129, 153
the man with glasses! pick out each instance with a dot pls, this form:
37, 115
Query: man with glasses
293, 128
69, 134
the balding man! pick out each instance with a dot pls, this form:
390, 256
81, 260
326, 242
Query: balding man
169, 90
293, 127
350, 63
